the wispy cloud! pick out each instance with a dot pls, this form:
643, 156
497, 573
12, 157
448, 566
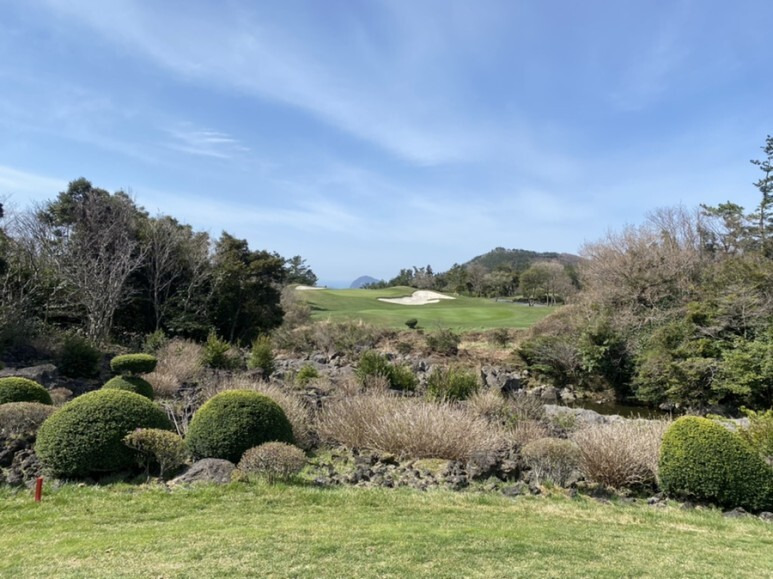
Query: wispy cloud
22, 186
205, 142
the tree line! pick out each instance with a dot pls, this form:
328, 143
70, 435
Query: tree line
93, 262
677, 311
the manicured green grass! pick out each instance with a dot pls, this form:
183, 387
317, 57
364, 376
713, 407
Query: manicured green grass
462, 313
296, 531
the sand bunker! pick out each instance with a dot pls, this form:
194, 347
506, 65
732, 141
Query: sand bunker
419, 298
307, 287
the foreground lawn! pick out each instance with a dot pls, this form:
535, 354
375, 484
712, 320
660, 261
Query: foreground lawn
462, 313
281, 531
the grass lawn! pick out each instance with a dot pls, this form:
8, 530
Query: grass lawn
295, 531
462, 313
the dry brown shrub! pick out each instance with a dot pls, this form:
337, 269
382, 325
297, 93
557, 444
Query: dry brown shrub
179, 362
294, 407
488, 403
552, 459
276, 461
525, 431
21, 419
621, 454
60, 395
408, 427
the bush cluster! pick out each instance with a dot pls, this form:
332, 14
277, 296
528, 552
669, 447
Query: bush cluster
218, 354
451, 383
130, 384
231, 422
162, 447
133, 364
275, 461
85, 436
374, 364
17, 389
22, 419
702, 460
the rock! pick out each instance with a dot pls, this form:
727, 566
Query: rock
549, 393
516, 490
766, 516
687, 506
736, 513
207, 470
45, 374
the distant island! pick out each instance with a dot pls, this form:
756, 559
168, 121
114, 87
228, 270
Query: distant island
362, 281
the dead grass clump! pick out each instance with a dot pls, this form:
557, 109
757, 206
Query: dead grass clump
621, 454
294, 407
523, 432
488, 403
179, 362
408, 427
552, 459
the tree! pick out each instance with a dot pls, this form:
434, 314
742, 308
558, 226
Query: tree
546, 280
90, 236
764, 214
298, 272
246, 289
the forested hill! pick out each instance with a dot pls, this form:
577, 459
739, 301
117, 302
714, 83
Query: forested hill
519, 259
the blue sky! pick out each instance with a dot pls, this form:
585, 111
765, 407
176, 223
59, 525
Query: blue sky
367, 136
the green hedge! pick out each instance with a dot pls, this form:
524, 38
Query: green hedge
85, 436
702, 460
133, 364
130, 384
17, 389
233, 421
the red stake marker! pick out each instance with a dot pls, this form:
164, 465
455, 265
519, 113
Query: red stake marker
38, 489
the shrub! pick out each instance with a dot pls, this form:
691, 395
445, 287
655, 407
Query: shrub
552, 459
700, 459
217, 354
759, 434
295, 408
78, 358
17, 389
133, 364
155, 341
21, 419
412, 323
276, 461
262, 356
621, 454
179, 362
444, 341
374, 364
452, 383
130, 384
408, 427
499, 337
231, 422
165, 448
85, 435
306, 374
555, 358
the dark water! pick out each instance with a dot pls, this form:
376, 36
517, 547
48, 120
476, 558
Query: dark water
625, 410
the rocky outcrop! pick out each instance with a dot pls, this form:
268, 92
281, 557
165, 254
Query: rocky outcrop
207, 470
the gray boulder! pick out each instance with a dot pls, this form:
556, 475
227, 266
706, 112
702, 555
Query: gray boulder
207, 470
45, 374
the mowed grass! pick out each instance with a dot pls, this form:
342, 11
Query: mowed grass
462, 313
295, 531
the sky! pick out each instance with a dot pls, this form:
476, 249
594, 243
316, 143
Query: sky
369, 136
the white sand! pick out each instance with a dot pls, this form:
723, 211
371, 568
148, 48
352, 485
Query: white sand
419, 298
307, 287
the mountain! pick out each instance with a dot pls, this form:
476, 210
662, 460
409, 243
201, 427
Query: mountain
520, 259
361, 281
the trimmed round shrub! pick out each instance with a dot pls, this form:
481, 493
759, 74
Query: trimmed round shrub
702, 460
85, 436
276, 461
153, 445
233, 421
17, 389
130, 384
133, 364
21, 419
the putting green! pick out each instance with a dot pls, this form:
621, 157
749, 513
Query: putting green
461, 313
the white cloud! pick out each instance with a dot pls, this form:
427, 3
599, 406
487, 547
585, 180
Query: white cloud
204, 142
